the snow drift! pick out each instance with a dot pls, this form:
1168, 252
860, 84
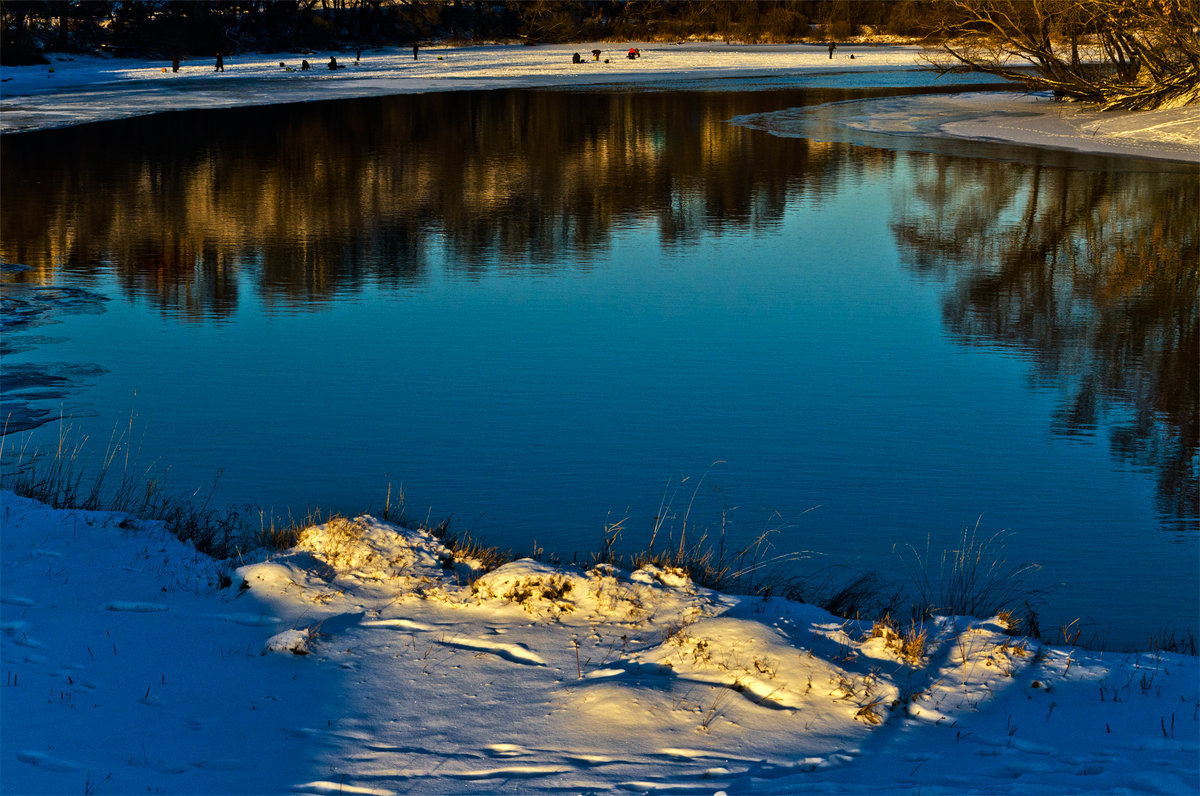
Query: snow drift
371, 659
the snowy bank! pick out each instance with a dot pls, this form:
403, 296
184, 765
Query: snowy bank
368, 659
91, 88
84, 89
1034, 120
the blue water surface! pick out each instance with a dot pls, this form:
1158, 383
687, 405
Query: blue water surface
789, 362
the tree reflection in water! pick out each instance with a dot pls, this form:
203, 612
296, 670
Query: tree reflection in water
1093, 277
1091, 274
321, 198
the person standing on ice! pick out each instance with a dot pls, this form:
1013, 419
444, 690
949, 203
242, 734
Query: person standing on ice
416, 47
220, 63
832, 47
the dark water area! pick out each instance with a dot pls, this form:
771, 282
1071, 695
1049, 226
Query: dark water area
545, 311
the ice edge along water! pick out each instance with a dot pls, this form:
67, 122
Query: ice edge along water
90, 88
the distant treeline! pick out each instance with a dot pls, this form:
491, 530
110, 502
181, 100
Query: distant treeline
204, 27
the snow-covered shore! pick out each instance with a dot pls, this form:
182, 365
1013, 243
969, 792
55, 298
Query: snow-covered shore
1000, 118
95, 88
368, 660
87, 89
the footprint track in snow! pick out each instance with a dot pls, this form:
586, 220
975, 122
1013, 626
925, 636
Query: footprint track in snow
249, 620
507, 750
705, 754
338, 787
134, 606
414, 750
402, 624
511, 771
48, 762
589, 761
514, 652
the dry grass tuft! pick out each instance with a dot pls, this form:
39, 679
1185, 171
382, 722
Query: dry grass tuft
855, 596
910, 643
60, 479
466, 548
872, 712
972, 580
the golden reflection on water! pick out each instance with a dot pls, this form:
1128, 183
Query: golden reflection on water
1091, 274
321, 196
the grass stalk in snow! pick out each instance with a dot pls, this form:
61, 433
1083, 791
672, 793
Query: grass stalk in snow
973, 579
750, 569
59, 478
1168, 640
743, 570
849, 594
714, 709
970, 580
908, 642
462, 545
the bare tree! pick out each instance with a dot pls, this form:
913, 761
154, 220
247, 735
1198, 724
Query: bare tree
1129, 54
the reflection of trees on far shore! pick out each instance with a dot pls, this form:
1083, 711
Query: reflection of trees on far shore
1090, 274
310, 200
1093, 277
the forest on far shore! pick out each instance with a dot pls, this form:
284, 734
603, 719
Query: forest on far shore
1112, 54
32, 28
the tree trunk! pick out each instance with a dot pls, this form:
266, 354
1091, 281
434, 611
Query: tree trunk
1142, 55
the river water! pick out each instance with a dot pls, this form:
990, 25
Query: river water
545, 311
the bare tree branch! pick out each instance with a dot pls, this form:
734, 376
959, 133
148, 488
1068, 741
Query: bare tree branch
1129, 54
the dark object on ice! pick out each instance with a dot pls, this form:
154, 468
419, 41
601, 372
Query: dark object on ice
175, 62
595, 55
634, 52
832, 47
282, 64
305, 66
575, 59
220, 63
415, 48
333, 64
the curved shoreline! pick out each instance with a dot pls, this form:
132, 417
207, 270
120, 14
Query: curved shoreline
91, 89
999, 119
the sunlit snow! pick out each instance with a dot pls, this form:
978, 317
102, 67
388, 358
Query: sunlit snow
368, 659
77, 89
